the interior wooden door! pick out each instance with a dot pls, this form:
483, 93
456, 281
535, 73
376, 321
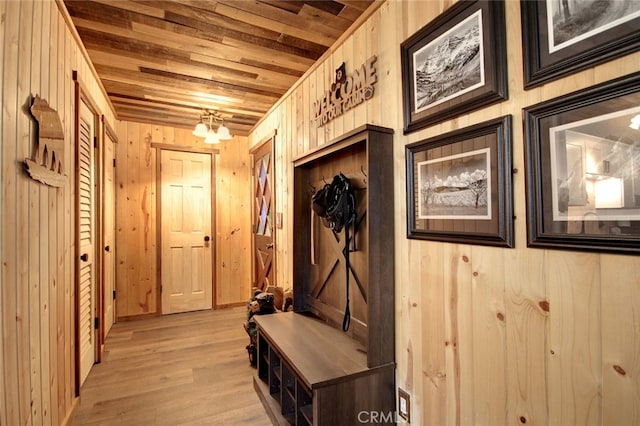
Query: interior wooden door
108, 230
86, 237
187, 246
264, 206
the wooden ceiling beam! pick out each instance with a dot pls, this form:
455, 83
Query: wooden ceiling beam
329, 6
243, 14
131, 87
210, 21
188, 108
135, 62
203, 48
134, 116
204, 101
202, 72
291, 20
312, 13
360, 5
159, 81
230, 121
132, 6
181, 79
148, 110
164, 61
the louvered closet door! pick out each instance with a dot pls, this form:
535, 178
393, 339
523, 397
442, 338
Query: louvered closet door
86, 237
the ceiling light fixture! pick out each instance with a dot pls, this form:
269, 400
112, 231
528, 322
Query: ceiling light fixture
207, 132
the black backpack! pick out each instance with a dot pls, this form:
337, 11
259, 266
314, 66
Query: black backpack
335, 203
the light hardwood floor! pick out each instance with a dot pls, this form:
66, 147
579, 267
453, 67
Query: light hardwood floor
182, 369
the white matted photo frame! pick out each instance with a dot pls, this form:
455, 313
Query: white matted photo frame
454, 64
562, 37
583, 169
459, 186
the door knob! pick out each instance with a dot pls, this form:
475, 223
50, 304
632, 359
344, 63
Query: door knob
107, 249
206, 238
84, 257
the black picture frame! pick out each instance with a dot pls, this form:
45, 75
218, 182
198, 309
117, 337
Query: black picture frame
570, 47
452, 83
582, 153
446, 200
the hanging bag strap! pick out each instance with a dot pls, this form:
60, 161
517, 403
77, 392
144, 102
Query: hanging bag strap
347, 314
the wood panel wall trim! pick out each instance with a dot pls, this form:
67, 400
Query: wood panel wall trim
158, 229
76, 37
107, 133
83, 91
108, 130
76, 238
74, 406
272, 180
194, 149
339, 42
138, 317
214, 233
263, 141
230, 305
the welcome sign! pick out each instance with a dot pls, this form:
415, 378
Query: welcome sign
346, 91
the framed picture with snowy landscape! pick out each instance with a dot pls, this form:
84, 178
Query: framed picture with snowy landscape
459, 186
561, 37
454, 64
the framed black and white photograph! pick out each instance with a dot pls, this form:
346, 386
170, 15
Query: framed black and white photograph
459, 186
561, 37
583, 169
455, 64
455, 186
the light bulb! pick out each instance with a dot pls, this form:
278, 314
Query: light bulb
223, 133
200, 130
211, 138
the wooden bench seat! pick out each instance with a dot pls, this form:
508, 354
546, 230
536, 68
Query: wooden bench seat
302, 361
319, 354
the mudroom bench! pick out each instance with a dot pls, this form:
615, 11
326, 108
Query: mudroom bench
310, 373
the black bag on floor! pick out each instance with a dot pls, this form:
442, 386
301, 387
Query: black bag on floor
261, 303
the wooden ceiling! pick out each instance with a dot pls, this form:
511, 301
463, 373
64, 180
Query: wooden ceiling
165, 62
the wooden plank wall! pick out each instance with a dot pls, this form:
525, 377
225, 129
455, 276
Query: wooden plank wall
484, 335
38, 54
136, 258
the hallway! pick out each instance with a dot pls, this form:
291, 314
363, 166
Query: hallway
174, 370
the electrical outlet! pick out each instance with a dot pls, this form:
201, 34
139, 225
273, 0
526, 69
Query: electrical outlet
404, 405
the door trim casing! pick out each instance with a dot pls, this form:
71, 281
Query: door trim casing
108, 135
195, 150
270, 138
